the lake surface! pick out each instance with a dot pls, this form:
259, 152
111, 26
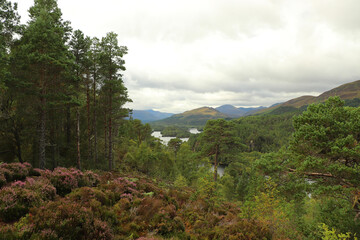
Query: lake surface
166, 140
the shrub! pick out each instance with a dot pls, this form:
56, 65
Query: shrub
3, 173
17, 199
86, 194
65, 180
63, 220
14, 171
121, 188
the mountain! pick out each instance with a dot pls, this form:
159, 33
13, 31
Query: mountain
193, 118
149, 115
250, 111
348, 91
234, 112
230, 110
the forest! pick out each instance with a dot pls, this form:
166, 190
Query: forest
73, 167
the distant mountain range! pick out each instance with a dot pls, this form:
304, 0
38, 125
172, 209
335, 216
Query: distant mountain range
149, 115
198, 117
195, 117
234, 112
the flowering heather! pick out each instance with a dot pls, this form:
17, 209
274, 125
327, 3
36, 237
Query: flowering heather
20, 196
63, 180
3, 173
64, 219
122, 188
14, 171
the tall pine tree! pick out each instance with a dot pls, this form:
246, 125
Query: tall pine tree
113, 89
42, 56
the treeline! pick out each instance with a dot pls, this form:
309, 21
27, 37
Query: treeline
61, 92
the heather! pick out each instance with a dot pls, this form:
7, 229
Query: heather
116, 206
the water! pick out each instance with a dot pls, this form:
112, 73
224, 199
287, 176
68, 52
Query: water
166, 140
194, 131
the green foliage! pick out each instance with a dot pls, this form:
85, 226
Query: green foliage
219, 141
180, 182
175, 131
330, 234
154, 162
174, 145
326, 142
265, 133
188, 163
268, 207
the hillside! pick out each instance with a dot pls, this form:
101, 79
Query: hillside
348, 91
345, 91
194, 118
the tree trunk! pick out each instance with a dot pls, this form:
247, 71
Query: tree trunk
42, 134
88, 120
52, 139
68, 125
106, 135
94, 123
78, 138
18, 144
110, 132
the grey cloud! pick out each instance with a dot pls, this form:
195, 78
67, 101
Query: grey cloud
341, 15
207, 52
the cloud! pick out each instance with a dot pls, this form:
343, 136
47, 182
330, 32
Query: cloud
187, 54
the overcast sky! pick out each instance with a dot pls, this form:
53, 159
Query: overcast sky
186, 54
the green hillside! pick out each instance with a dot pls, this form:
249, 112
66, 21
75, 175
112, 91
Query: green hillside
348, 91
193, 118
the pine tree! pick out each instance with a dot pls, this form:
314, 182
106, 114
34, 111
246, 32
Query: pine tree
115, 93
80, 47
42, 58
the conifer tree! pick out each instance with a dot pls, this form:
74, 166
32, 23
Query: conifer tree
115, 93
9, 127
219, 139
80, 46
42, 58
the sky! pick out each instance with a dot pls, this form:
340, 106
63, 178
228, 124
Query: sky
193, 53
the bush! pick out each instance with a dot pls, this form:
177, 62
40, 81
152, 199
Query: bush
65, 180
63, 220
14, 171
121, 188
17, 199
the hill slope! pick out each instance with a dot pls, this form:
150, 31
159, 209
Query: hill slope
346, 91
195, 118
